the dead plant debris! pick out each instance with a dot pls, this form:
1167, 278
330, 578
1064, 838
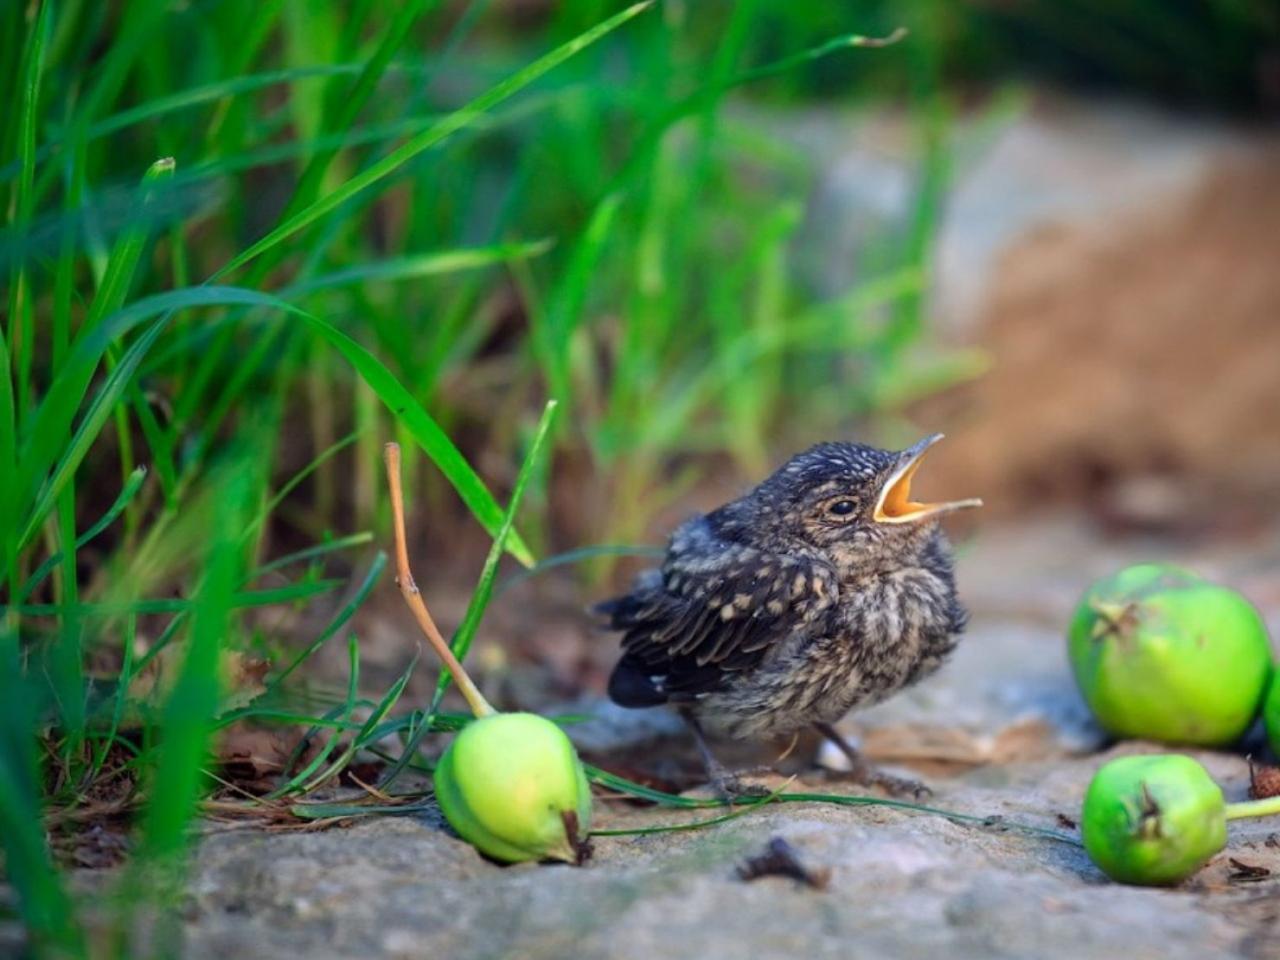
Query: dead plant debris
1242, 872
1264, 781
780, 859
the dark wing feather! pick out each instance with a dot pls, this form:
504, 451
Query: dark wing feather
713, 609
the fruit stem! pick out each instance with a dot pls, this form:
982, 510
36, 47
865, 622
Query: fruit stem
1253, 808
413, 597
1114, 615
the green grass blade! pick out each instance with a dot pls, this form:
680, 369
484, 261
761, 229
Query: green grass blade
160, 442
188, 715
638, 790
127, 493
555, 334
9, 509
402, 404
21, 332
342, 811
121, 698
64, 398
123, 261
90, 348
33, 67
186, 99
483, 591
362, 737
86, 433
707, 93
340, 618
629, 787
341, 714
336, 719
42, 900
743, 810
66, 668
354, 100
433, 135
570, 557
425, 431
243, 599
280, 715
443, 722
829, 326
311, 553
291, 484
420, 265
194, 699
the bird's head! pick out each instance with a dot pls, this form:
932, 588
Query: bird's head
850, 501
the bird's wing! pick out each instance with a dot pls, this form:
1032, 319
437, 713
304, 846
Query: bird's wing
715, 610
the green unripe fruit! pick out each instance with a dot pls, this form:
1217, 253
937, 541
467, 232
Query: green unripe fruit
512, 785
1153, 820
1271, 713
1162, 654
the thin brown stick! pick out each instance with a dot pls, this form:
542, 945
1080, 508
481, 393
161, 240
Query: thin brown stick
409, 590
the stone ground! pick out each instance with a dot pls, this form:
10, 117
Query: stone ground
902, 885
1000, 732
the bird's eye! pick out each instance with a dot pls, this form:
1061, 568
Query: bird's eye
841, 508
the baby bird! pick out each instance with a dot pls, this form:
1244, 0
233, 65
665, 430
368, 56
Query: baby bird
823, 589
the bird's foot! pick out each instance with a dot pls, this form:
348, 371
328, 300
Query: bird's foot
867, 775
730, 787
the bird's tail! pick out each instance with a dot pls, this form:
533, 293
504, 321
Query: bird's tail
631, 685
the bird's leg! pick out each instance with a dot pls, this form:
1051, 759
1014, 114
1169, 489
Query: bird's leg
864, 773
726, 785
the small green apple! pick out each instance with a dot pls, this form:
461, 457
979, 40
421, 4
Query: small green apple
1271, 713
512, 785
1153, 820
1162, 654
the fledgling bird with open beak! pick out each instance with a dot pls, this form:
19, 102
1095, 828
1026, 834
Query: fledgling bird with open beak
825, 588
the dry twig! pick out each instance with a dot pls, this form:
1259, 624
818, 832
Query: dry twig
413, 597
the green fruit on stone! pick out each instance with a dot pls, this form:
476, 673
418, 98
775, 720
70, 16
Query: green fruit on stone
1153, 820
1162, 654
512, 785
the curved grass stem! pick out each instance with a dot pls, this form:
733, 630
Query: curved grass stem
1253, 808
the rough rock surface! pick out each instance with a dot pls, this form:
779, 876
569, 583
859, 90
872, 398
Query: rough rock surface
903, 884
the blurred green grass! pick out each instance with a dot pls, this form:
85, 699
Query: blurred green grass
247, 242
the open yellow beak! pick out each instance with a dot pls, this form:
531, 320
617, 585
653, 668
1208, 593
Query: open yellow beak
895, 504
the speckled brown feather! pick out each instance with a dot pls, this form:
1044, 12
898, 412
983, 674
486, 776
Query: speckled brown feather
769, 614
